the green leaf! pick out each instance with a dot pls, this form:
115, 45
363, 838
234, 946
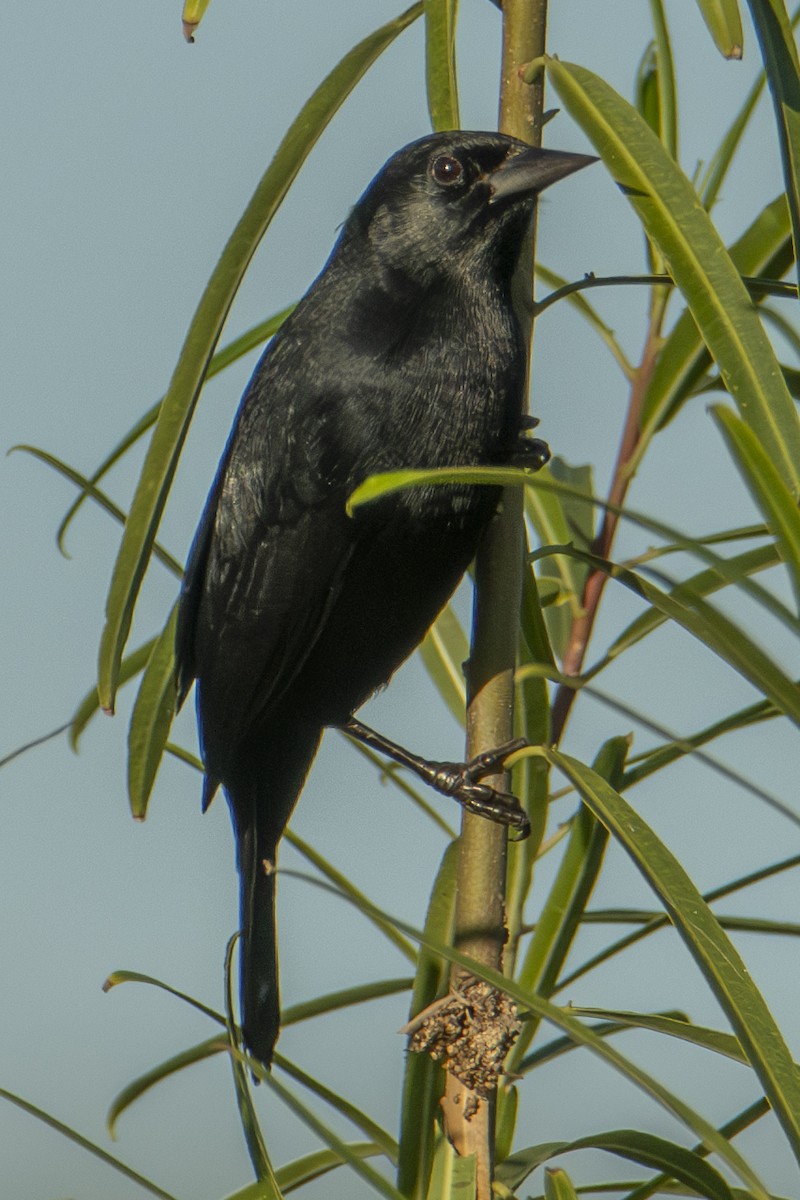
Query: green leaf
682, 1029
778, 49
248, 1117
73, 1136
580, 1033
151, 719
342, 1106
558, 1185
312, 1166
118, 977
775, 502
666, 128
567, 898
454, 1176
590, 314
765, 248
143, 1083
176, 411
444, 651
223, 358
704, 583
674, 218
645, 1148
724, 25
322, 1131
343, 884
440, 63
89, 491
359, 993
715, 955
557, 518
193, 13
715, 631
423, 1078
89, 706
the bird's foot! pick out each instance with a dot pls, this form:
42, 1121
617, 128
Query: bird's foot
460, 781
463, 782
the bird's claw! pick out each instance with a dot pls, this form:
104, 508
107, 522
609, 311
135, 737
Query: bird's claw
461, 781
530, 453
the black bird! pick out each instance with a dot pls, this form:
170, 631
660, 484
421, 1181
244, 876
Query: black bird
405, 352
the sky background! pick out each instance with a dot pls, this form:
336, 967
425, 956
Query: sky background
127, 158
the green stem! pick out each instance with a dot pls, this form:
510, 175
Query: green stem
480, 906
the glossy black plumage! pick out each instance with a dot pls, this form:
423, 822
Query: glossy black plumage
405, 352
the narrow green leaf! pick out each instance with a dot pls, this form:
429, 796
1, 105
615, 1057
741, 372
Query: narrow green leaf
558, 1185
676, 221
667, 127
774, 500
704, 583
505, 1120
345, 998
423, 1078
248, 1117
176, 411
322, 1131
90, 492
312, 1166
151, 719
580, 1033
73, 1136
661, 922
590, 314
131, 666
343, 884
714, 953
715, 631
454, 1176
765, 248
177, 1062
566, 901
193, 13
343, 1107
223, 358
118, 977
778, 49
645, 1148
685, 1031
440, 63
724, 25
562, 517
444, 651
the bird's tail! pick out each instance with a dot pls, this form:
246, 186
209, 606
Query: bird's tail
259, 822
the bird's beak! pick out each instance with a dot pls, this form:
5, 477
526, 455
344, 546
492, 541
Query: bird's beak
531, 171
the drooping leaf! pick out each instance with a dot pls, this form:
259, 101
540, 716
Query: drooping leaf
176, 412
714, 953
674, 218
724, 24
775, 502
151, 719
782, 64
644, 1148
440, 63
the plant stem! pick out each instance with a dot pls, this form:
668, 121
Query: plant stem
480, 905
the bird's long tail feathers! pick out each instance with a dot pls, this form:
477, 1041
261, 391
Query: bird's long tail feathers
260, 810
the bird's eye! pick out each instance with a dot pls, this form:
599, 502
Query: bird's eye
447, 170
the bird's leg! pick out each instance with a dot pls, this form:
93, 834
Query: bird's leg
459, 780
529, 452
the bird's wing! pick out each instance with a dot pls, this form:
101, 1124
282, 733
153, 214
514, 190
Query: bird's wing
265, 567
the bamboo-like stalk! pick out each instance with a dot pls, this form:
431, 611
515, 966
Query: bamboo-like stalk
480, 908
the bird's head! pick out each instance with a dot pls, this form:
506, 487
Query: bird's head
449, 197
